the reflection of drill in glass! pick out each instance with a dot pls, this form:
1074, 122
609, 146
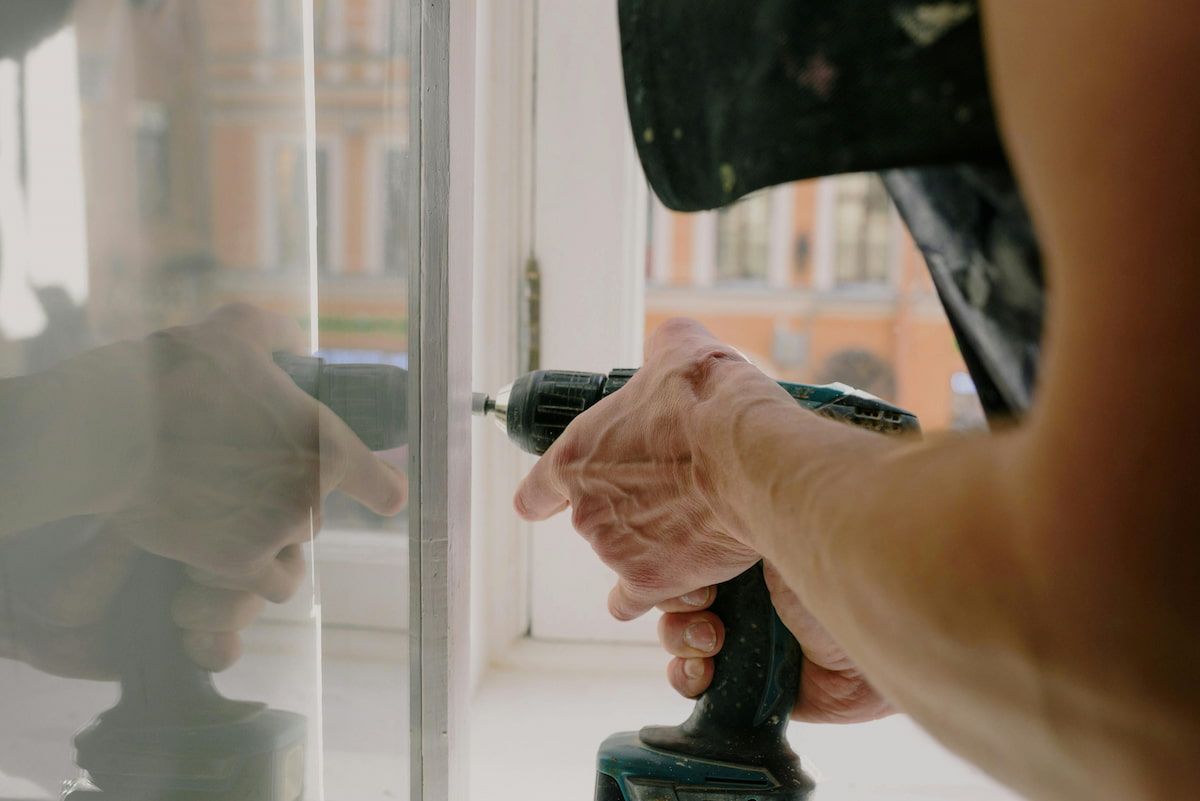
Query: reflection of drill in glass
173, 736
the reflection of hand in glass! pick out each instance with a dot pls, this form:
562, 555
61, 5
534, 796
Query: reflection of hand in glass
60, 582
192, 445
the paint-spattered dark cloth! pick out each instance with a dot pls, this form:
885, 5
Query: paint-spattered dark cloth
726, 98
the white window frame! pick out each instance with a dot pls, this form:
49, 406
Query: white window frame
334, 147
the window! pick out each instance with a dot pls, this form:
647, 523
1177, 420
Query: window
863, 230
288, 210
287, 24
152, 146
743, 234
397, 234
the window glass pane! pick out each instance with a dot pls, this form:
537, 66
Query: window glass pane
287, 24
742, 232
397, 233
864, 230
846, 298
158, 164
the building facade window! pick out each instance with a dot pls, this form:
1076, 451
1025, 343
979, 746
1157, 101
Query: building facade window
397, 226
289, 208
152, 153
743, 237
863, 230
287, 24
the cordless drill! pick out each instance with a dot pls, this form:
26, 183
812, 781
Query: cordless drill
733, 747
173, 736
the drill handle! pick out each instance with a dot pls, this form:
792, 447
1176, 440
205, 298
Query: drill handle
742, 718
370, 398
160, 685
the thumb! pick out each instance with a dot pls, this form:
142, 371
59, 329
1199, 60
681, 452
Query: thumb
818, 644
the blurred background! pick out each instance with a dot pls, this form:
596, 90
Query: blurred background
154, 164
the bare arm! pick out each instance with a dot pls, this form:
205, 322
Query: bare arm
1029, 597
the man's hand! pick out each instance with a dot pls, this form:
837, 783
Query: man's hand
239, 458
60, 583
192, 445
832, 689
629, 469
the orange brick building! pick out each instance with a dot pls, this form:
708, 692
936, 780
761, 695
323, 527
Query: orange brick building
196, 131
195, 168
815, 281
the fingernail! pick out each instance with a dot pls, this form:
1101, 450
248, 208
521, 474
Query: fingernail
701, 636
696, 597
693, 668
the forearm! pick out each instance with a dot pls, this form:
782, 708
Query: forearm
73, 440
936, 568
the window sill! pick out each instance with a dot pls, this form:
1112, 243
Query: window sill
560, 701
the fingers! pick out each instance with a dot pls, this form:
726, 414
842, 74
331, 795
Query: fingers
211, 619
692, 638
348, 465
837, 696
276, 580
627, 603
691, 634
211, 651
690, 677
690, 602
197, 607
819, 645
629, 600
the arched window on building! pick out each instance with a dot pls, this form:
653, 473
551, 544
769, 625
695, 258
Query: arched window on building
860, 369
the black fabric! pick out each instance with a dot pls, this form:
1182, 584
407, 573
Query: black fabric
25, 23
972, 227
728, 97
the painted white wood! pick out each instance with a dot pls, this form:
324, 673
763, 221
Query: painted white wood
443, 73
589, 216
503, 236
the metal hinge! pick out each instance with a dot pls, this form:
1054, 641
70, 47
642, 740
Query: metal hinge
529, 356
